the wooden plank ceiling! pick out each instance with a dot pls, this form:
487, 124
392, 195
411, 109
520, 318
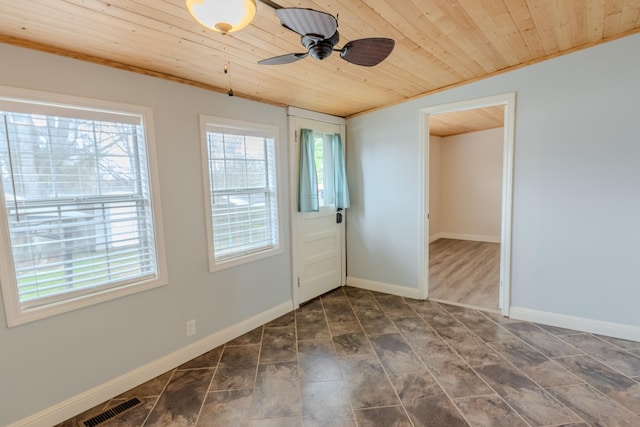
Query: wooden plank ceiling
465, 121
439, 43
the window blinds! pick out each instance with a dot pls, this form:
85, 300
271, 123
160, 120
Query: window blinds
243, 192
75, 186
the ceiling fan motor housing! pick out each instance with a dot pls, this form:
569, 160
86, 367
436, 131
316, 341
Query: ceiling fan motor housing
320, 48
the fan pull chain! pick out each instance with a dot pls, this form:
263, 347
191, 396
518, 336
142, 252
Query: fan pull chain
227, 71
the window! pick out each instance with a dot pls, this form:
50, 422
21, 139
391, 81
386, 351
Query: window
322, 175
322, 153
242, 208
78, 224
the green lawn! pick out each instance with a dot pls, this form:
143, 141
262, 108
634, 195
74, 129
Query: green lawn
48, 281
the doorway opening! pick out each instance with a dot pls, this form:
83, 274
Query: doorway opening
467, 191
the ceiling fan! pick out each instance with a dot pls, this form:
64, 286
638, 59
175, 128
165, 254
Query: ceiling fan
319, 32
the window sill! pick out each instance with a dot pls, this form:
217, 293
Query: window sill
234, 262
17, 316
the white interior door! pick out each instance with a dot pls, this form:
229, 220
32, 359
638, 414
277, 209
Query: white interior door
319, 260
319, 253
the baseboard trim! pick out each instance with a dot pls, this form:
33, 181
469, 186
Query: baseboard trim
600, 327
459, 236
90, 398
386, 288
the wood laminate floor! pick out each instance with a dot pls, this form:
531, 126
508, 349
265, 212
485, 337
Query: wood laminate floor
465, 272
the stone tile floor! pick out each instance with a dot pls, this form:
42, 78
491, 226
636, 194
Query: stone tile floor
359, 358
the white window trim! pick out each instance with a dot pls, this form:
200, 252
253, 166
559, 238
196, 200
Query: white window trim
15, 315
207, 121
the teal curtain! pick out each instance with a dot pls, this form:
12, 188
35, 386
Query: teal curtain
307, 178
340, 174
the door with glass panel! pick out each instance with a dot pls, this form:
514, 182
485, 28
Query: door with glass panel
321, 203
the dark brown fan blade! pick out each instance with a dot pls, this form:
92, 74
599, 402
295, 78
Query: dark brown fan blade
308, 21
367, 52
283, 59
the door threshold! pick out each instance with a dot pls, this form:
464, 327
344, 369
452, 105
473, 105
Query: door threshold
459, 304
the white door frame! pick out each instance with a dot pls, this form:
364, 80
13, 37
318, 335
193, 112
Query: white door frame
292, 114
509, 102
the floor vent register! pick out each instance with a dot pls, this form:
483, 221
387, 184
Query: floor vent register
109, 414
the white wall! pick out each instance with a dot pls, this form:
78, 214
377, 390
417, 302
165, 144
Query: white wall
576, 201
471, 185
435, 184
48, 361
383, 171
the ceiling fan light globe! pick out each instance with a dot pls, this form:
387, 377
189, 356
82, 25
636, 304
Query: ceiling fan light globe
223, 16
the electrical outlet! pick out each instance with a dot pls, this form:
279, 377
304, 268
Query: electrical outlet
191, 327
